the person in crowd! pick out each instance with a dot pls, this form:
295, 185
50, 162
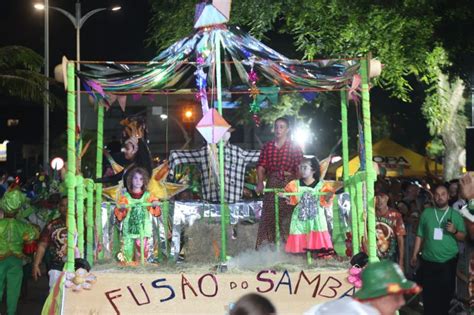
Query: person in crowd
53, 238
309, 228
467, 192
15, 236
3, 183
278, 164
453, 191
456, 201
466, 187
394, 193
409, 206
253, 304
438, 232
410, 211
382, 293
136, 219
390, 230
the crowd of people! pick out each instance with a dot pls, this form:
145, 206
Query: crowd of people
422, 229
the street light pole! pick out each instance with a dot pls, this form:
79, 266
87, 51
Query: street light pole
77, 20
46, 87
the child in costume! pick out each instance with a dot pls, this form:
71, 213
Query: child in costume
136, 219
308, 229
15, 236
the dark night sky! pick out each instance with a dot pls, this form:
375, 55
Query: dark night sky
115, 36
105, 36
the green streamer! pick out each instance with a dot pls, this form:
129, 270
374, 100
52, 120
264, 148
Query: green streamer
71, 165
98, 173
80, 214
370, 172
89, 183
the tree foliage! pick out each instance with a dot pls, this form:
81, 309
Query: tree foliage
20, 75
399, 33
444, 109
421, 39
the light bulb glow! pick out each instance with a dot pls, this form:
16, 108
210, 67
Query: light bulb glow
38, 6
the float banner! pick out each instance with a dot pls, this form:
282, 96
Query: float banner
207, 293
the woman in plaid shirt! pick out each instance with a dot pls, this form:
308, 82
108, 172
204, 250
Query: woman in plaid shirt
278, 163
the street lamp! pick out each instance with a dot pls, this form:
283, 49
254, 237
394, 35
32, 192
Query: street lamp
78, 21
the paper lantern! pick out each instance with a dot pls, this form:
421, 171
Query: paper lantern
215, 13
212, 126
375, 68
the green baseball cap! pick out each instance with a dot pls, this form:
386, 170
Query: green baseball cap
384, 278
12, 201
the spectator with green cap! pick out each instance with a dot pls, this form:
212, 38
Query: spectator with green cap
14, 235
382, 293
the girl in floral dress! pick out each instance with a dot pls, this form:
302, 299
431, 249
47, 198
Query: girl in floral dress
308, 229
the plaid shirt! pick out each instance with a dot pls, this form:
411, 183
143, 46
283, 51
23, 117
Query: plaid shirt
235, 161
284, 159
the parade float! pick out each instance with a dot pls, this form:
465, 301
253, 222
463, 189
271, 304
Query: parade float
224, 267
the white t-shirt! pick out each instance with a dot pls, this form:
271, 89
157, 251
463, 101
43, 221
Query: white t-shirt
344, 306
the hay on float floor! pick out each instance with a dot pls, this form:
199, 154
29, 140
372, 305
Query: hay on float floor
202, 249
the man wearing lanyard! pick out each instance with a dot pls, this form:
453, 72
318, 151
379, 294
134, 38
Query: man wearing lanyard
438, 232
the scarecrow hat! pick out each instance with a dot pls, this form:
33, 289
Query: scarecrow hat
12, 201
384, 278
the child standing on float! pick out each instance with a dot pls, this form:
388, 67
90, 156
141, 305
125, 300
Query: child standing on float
308, 229
136, 219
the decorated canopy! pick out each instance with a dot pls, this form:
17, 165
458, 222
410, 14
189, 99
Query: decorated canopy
189, 63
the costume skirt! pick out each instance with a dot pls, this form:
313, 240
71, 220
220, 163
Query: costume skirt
309, 235
266, 228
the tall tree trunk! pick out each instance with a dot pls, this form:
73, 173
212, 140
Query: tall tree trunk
452, 150
453, 134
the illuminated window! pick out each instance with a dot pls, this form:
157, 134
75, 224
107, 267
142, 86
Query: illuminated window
13, 122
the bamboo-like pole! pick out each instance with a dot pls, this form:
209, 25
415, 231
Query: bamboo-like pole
370, 172
165, 215
98, 173
71, 166
360, 210
345, 138
354, 217
221, 152
80, 214
142, 245
158, 244
348, 184
89, 183
277, 220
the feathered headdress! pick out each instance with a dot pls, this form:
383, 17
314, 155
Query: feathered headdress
134, 129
